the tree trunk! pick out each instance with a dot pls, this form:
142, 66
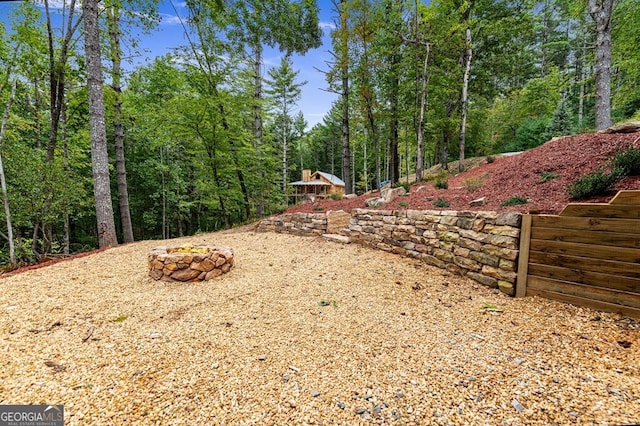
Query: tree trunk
57, 72
164, 196
464, 106
420, 127
258, 134
601, 12
284, 159
99, 157
393, 137
3, 182
113, 22
67, 167
446, 133
344, 73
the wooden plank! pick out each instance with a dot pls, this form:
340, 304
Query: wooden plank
626, 197
615, 239
631, 300
630, 226
523, 257
594, 251
601, 210
592, 304
584, 263
612, 281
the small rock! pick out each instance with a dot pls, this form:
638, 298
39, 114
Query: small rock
155, 335
409, 410
555, 380
624, 343
361, 411
262, 357
315, 393
368, 397
519, 361
400, 395
342, 405
377, 409
516, 404
478, 202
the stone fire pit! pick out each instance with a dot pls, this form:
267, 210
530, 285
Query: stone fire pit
189, 263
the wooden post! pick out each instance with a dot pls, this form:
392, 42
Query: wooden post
523, 258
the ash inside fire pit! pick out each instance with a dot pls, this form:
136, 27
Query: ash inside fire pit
189, 263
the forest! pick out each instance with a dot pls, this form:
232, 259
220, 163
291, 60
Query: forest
94, 154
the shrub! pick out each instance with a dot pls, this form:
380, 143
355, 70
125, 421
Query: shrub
405, 185
441, 183
336, 197
491, 159
514, 201
596, 183
627, 161
403, 204
546, 176
473, 183
440, 202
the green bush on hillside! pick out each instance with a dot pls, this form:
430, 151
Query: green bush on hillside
405, 185
628, 161
441, 183
441, 202
514, 201
596, 183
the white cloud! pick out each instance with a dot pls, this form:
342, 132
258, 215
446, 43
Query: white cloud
60, 4
327, 26
167, 19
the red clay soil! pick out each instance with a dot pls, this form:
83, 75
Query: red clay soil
519, 175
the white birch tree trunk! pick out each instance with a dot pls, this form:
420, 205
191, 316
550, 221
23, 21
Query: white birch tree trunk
3, 182
465, 97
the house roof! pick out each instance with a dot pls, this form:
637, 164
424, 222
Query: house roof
310, 183
334, 180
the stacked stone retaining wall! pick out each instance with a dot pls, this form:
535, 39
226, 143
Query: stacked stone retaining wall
480, 245
303, 224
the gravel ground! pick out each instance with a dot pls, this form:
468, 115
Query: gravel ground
304, 331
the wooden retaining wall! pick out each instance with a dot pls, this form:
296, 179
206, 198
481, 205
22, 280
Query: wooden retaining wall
589, 255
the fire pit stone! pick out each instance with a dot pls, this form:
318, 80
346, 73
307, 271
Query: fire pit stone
189, 263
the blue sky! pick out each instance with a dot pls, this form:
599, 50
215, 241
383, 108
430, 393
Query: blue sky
315, 101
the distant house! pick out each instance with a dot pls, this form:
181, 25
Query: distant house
317, 185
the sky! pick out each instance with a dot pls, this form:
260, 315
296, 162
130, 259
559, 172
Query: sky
169, 35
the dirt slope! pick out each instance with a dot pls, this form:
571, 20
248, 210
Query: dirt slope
519, 175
